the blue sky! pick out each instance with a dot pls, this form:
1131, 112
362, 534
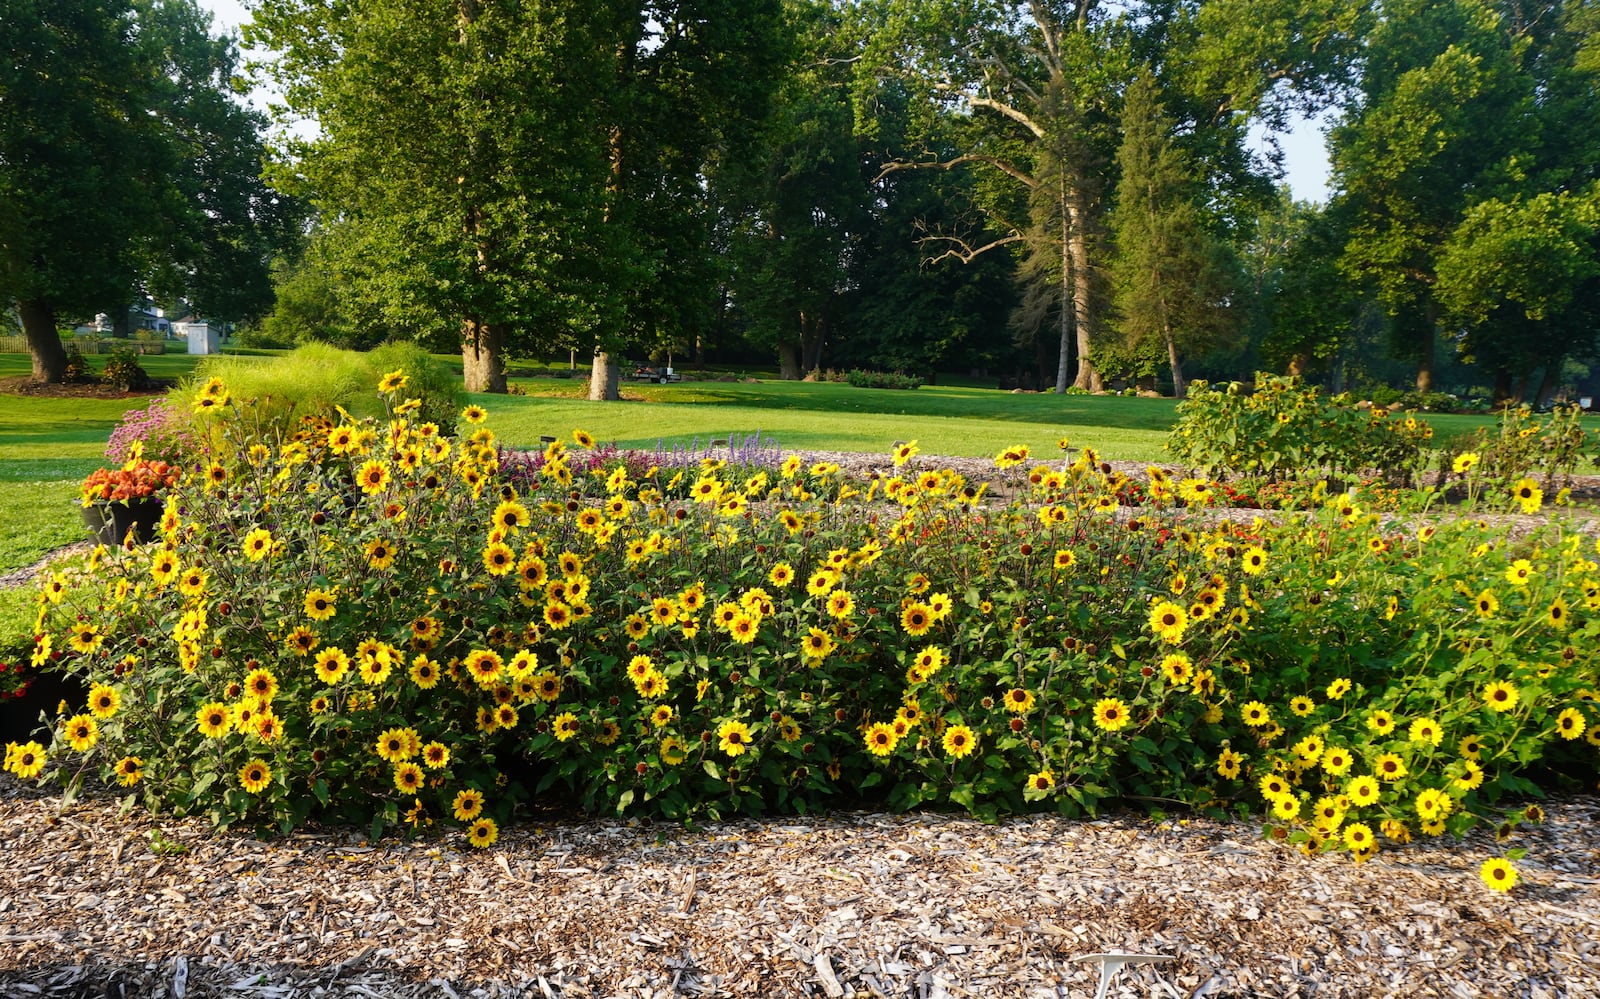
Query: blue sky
1305, 154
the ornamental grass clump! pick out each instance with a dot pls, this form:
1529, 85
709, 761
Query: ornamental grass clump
368, 622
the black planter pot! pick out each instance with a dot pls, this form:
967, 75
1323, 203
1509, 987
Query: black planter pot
19, 716
111, 522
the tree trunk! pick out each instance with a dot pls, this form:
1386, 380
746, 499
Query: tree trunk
481, 364
811, 345
1180, 385
789, 361
39, 327
1549, 383
1083, 308
1426, 359
605, 378
1064, 351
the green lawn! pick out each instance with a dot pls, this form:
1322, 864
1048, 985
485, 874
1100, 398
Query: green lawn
831, 416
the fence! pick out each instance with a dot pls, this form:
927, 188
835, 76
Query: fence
87, 345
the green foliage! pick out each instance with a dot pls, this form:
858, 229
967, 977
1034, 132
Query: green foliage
1525, 444
315, 379
1283, 428
122, 370
365, 625
882, 379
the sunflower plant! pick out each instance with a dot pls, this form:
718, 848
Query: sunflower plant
373, 622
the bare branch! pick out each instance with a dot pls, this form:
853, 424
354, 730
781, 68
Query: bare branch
1008, 111
963, 251
998, 164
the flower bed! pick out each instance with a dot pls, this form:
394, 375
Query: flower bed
368, 623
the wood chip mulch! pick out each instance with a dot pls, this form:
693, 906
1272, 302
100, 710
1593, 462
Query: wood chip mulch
851, 904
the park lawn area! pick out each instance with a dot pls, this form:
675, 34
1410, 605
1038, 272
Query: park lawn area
836, 417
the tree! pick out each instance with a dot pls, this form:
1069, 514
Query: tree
1039, 86
124, 161
79, 161
462, 152
1443, 117
1173, 278
529, 175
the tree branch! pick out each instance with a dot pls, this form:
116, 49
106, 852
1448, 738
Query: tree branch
963, 251
998, 164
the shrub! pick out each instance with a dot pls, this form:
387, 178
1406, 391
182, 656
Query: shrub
882, 379
1284, 428
371, 624
157, 432
122, 370
313, 381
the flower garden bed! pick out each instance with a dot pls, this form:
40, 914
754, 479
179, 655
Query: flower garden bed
369, 622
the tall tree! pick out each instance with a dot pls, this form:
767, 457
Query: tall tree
121, 154
462, 150
1039, 85
530, 175
1173, 278
1443, 117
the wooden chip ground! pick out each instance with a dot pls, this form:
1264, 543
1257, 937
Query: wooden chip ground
851, 904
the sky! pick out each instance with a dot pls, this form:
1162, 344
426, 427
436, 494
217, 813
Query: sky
1305, 152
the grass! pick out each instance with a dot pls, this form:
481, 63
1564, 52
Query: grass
835, 417
42, 517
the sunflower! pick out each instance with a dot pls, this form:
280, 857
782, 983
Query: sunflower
104, 701
1528, 495
1358, 837
1570, 723
1498, 874
1362, 791
1433, 804
841, 604
214, 719
1228, 763
1381, 722
564, 725
1500, 696
261, 684
916, 619
474, 414
1426, 730
258, 544
1302, 705
1336, 760
372, 478
547, 687
1390, 767
498, 558
394, 381
468, 804
1255, 714
331, 665
1557, 614
881, 738
26, 760
651, 686
743, 628
380, 554
320, 605
1168, 621
394, 745
1018, 701
254, 776
1338, 689
557, 614
1486, 604
1254, 560
81, 732
484, 666
733, 737
408, 778
959, 741
86, 637
483, 832
816, 644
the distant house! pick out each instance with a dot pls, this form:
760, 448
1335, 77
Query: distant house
202, 336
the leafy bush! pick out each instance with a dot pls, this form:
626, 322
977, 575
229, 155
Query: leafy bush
122, 370
882, 379
1525, 445
157, 432
368, 623
1283, 428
